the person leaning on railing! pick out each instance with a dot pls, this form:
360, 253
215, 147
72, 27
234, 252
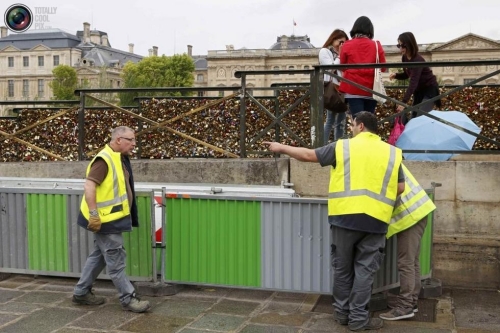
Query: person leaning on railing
423, 84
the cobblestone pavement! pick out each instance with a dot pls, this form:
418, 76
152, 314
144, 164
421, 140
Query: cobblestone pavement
43, 304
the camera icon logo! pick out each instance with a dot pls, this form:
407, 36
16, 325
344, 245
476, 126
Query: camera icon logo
18, 18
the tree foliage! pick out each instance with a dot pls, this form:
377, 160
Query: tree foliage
156, 72
64, 83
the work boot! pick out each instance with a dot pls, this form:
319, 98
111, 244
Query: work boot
136, 305
372, 324
88, 299
398, 314
342, 319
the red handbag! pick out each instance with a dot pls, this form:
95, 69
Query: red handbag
396, 131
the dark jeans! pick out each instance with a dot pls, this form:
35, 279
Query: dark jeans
361, 104
356, 256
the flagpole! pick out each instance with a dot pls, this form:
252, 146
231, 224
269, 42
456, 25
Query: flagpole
293, 25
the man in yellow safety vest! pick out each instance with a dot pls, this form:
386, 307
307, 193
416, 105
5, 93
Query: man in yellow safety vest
365, 179
408, 223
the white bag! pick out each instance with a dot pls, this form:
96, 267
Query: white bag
378, 85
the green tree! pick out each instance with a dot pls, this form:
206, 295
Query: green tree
156, 72
64, 83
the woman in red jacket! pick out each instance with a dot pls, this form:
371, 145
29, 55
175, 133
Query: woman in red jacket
361, 49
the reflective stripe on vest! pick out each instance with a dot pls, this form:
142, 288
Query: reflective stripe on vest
348, 192
116, 198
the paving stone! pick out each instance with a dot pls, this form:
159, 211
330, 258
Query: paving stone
299, 296
105, 317
201, 291
42, 297
15, 282
235, 307
7, 318
8, 295
268, 329
289, 306
73, 330
34, 285
21, 308
217, 322
43, 321
253, 295
272, 318
181, 308
149, 322
325, 323
192, 330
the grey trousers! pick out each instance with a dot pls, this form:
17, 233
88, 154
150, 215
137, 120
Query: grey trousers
409, 265
356, 256
108, 251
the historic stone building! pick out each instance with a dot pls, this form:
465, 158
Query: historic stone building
217, 68
27, 61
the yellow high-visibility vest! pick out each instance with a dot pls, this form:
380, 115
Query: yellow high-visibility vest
111, 195
365, 178
413, 205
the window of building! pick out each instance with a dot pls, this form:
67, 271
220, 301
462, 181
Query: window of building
199, 77
11, 61
41, 61
11, 88
56, 60
26, 88
291, 67
41, 87
306, 67
276, 68
118, 84
26, 61
467, 81
221, 93
200, 93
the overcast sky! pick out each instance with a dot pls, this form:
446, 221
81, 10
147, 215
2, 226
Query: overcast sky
255, 24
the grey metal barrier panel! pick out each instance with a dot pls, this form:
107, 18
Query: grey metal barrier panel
294, 246
296, 249
13, 238
67, 254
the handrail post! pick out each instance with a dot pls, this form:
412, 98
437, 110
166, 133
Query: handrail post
316, 102
81, 127
243, 111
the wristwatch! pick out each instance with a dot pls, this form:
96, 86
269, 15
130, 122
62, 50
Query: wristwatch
94, 213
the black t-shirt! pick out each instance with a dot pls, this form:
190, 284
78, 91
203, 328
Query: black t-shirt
358, 222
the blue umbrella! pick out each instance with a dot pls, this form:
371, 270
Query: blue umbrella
424, 133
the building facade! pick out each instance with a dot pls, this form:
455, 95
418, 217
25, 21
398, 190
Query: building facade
27, 60
296, 52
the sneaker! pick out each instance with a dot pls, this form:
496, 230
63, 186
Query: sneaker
397, 314
136, 305
372, 324
88, 299
342, 319
415, 308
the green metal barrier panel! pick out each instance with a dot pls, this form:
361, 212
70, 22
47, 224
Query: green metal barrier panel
213, 241
425, 257
47, 232
138, 242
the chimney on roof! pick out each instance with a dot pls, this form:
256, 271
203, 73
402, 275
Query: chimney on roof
190, 50
3, 32
284, 42
230, 47
155, 51
95, 37
131, 48
104, 40
150, 52
86, 32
